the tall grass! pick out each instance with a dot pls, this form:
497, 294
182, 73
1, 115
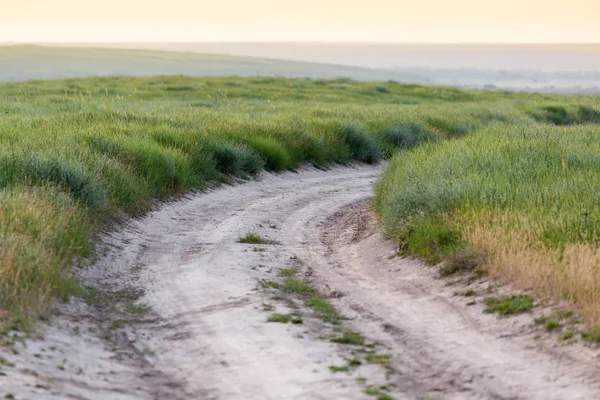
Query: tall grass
526, 197
76, 153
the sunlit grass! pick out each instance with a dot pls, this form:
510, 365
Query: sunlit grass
76, 154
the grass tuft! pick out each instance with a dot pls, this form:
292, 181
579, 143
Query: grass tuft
285, 318
363, 146
298, 286
509, 305
324, 310
335, 369
351, 338
552, 325
288, 272
591, 335
432, 240
381, 359
254, 238
566, 336
274, 154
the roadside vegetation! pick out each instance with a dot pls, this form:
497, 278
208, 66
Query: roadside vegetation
516, 199
494, 179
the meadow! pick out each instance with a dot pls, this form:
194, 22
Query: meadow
495, 180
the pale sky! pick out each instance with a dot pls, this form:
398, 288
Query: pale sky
300, 20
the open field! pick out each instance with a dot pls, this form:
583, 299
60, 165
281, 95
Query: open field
80, 152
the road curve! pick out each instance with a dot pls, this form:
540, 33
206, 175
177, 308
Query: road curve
205, 334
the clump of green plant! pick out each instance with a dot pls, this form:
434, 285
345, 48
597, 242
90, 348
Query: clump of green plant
253, 238
268, 284
592, 334
431, 239
324, 310
563, 115
285, 318
378, 391
552, 325
509, 305
234, 160
288, 272
274, 154
381, 359
343, 368
363, 146
351, 338
566, 336
404, 135
564, 314
298, 286
354, 362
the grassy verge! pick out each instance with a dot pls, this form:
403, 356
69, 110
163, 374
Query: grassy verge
521, 200
77, 154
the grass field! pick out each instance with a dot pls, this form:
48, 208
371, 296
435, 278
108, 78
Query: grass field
511, 179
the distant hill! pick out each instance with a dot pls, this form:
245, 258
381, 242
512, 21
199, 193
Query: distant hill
23, 62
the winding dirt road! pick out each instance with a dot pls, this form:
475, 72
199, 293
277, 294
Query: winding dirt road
200, 329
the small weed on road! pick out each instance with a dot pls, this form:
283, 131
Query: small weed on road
254, 238
285, 318
351, 338
515, 304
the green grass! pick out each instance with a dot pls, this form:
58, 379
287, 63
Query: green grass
268, 284
432, 240
288, 272
381, 359
516, 197
324, 310
298, 286
591, 335
566, 336
76, 155
254, 238
509, 305
351, 338
552, 325
344, 368
285, 318
377, 391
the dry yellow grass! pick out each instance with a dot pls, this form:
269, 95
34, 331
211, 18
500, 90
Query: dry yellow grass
521, 257
33, 222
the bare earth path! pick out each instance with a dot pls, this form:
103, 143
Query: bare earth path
205, 335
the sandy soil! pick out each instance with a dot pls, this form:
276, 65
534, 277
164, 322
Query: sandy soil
179, 312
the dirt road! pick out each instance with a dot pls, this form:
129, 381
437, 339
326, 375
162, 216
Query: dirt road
182, 308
